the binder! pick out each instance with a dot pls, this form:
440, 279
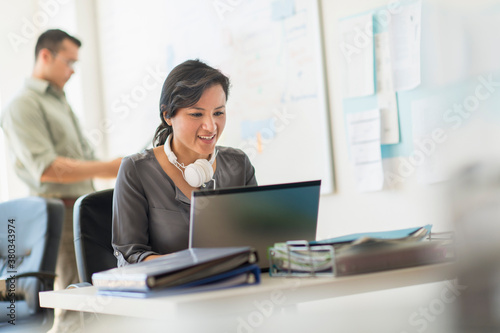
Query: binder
380, 257
242, 276
175, 269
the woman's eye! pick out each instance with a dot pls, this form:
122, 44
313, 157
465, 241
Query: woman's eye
197, 115
219, 113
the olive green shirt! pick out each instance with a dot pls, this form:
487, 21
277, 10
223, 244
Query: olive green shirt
39, 126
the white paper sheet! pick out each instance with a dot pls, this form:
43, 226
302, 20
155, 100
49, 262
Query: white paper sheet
404, 32
386, 96
357, 47
366, 155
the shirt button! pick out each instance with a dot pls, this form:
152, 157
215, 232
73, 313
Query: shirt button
116, 253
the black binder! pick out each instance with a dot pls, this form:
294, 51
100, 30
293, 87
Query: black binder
245, 275
174, 269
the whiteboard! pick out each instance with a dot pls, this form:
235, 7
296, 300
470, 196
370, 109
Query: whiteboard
271, 50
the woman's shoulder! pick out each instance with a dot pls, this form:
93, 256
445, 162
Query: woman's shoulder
230, 152
144, 157
136, 166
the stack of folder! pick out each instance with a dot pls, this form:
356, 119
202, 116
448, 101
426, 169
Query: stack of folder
190, 270
358, 253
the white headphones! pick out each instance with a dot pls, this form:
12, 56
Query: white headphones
196, 174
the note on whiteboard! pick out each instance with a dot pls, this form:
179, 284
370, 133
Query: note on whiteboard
357, 47
430, 132
364, 139
386, 96
404, 32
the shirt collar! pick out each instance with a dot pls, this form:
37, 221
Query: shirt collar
180, 196
42, 86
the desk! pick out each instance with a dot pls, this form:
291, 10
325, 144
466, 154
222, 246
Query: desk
273, 292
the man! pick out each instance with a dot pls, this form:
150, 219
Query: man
51, 155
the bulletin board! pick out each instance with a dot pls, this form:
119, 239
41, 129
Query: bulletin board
456, 61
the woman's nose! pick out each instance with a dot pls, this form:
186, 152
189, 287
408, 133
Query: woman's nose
209, 123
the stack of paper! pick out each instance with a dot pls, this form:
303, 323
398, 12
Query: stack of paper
359, 253
286, 259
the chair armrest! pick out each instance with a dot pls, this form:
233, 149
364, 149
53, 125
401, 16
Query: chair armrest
39, 275
43, 277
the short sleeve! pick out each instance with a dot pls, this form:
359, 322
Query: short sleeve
130, 234
25, 129
250, 172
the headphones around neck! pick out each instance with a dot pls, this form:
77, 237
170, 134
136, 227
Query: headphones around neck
196, 174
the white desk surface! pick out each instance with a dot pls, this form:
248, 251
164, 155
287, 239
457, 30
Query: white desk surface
285, 291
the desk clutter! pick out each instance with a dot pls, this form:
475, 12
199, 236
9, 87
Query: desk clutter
361, 253
191, 270
202, 269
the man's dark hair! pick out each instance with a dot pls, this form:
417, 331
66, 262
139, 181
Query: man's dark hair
52, 40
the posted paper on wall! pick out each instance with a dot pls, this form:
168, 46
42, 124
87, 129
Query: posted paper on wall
404, 32
386, 96
356, 45
366, 155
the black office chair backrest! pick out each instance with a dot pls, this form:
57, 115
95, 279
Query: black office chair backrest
30, 232
92, 217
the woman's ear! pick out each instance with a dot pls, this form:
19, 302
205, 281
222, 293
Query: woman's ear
167, 120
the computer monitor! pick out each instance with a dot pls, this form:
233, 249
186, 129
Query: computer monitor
256, 216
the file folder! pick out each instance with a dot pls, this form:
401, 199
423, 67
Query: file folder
412, 234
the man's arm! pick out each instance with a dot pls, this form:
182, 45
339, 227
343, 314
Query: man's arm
66, 170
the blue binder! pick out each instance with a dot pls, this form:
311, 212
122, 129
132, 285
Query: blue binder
392, 234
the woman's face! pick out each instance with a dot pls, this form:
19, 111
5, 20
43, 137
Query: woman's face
197, 128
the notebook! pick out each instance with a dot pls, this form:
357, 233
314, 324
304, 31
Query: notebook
255, 216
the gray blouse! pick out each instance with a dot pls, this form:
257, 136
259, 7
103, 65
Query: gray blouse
151, 214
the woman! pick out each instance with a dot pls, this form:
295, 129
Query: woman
151, 201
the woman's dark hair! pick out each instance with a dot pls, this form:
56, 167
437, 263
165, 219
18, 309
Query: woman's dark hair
183, 88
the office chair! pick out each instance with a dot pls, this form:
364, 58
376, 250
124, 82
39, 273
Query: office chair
92, 217
30, 232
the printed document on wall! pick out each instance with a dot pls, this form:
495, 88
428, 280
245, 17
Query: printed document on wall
366, 155
356, 45
404, 32
386, 96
